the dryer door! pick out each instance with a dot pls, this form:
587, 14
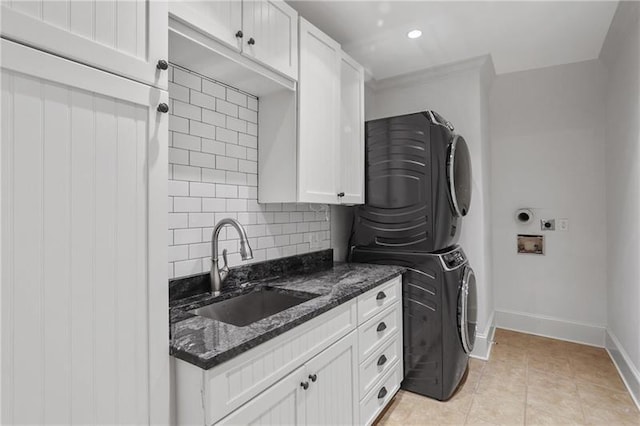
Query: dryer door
467, 309
459, 175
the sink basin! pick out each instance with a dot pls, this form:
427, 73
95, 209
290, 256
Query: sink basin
251, 307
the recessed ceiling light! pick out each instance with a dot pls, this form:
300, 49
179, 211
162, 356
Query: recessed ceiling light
414, 33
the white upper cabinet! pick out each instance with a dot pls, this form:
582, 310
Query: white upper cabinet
221, 19
351, 152
270, 34
125, 37
325, 162
318, 118
264, 30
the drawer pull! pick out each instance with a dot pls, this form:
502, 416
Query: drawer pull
305, 385
382, 360
382, 393
381, 296
313, 377
381, 327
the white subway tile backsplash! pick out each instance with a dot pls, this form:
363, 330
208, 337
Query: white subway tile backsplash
187, 236
212, 117
226, 135
192, 174
185, 78
202, 159
227, 191
248, 115
178, 124
178, 92
178, 156
248, 140
214, 147
226, 108
187, 110
198, 189
252, 103
236, 124
202, 100
237, 98
187, 204
202, 129
184, 141
213, 175
213, 89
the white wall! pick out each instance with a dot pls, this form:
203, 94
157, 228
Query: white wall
547, 147
213, 172
459, 93
621, 56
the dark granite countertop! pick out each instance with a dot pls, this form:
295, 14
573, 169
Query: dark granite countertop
206, 342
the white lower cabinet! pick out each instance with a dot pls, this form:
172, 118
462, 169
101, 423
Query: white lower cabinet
321, 392
317, 373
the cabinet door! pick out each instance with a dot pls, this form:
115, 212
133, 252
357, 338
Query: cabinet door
351, 152
125, 37
332, 398
318, 118
281, 404
84, 308
220, 19
271, 34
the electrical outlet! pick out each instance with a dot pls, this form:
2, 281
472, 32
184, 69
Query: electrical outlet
563, 224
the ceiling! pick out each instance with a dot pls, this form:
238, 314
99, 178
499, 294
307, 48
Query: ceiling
519, 35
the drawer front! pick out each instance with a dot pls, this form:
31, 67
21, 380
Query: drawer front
238, 380
378, 398
378, 299
377, 331
377, 365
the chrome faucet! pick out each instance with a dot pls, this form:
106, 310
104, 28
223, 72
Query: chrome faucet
217, 274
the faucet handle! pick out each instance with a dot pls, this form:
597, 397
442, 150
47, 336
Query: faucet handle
224, 258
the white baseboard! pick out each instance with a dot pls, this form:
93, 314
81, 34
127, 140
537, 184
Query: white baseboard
484, 341
629, 373
588, 334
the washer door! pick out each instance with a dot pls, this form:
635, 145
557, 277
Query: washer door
459, 175
467, 309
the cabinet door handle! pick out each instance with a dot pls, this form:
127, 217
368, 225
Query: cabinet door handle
163, 108
239, 34
382, 393
340, 194
305, 385
162, 64
382, 360
313, 377
381, 327
251, 41
381, 295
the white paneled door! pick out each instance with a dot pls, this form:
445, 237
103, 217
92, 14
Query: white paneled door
125, 37
351, 151
318, 120
333, 385
271, 34
84, 297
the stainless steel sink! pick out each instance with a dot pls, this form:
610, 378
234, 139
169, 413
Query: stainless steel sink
251, 307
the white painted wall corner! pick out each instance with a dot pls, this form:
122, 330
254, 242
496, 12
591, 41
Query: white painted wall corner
484, 340
628, 371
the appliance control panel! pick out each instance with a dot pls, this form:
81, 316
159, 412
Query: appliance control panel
454, 258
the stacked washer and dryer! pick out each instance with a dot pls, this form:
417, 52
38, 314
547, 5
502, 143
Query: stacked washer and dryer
418, 189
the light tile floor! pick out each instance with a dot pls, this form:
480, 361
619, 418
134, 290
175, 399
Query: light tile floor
528, 380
